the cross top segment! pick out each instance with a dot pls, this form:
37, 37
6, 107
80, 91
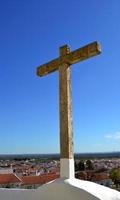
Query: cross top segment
70, 58
62, 64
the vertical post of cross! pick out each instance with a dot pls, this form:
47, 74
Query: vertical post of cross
66, 129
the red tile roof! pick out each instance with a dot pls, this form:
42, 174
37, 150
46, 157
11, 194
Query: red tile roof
38, 179
100, 176
9, 178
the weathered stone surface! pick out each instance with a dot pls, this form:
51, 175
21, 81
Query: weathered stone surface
66, 130
70, 58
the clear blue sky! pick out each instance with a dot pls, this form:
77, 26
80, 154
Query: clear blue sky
31, 32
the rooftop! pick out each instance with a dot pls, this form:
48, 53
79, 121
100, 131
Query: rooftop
9, 178
66, 189
38, 179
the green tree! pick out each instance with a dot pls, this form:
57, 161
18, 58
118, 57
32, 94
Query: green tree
81, 165
76, 166
115, 176
89, 165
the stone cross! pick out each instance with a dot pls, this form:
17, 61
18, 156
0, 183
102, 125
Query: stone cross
62, 64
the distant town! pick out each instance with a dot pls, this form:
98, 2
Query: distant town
32, 171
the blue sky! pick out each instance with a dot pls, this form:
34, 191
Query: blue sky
31, 33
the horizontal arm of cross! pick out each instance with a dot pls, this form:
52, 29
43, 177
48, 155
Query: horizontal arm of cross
71, 58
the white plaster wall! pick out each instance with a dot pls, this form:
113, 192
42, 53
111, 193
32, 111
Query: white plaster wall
67, 168
67, 189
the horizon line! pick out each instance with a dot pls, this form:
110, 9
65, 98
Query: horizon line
101, 152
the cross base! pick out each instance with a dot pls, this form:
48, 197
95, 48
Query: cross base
67, 168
